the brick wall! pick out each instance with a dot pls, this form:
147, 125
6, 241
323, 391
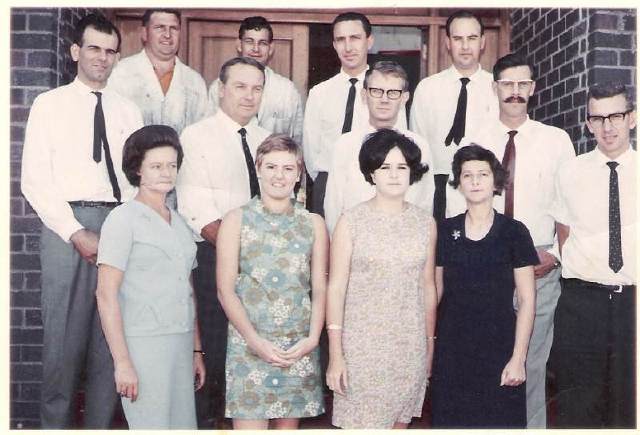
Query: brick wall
571, 50
40, 41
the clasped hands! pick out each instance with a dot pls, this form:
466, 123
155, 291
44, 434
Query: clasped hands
278, 357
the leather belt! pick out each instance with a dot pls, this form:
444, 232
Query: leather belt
94, 204
617, 288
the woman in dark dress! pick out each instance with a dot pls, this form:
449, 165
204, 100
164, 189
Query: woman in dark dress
482, 257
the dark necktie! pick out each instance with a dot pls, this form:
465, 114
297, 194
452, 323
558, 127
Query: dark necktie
99, 142
615, 240
457, 129
348, 112
254, 186
509, 164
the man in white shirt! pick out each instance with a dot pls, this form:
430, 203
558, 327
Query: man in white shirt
332, 107
593, 351
218, 175
532, 152
385, 92
72, 177
455, 102
167, 91
281, 109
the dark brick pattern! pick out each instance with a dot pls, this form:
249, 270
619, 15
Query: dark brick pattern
572, 49
40, 41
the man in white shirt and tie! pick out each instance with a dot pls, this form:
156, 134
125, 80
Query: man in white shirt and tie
281, 109
593, 353
72, 177
531, 152
455, 102
385, 92
332, 106
217, 175
166, 90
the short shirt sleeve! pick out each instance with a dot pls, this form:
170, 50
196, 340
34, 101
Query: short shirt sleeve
523, 251
116, 238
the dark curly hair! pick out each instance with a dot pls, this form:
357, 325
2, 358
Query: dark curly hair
143, 140
376, 147
476, 152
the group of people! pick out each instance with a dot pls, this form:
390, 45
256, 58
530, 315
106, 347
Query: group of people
434, 255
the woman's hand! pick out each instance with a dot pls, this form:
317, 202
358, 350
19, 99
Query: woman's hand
269, 352
513, 374
337, 375
300, 349
126, 380
199, 371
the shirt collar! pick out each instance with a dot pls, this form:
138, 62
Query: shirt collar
623, 159
82, 88
523, 129
344, 76
455, 74
232, 125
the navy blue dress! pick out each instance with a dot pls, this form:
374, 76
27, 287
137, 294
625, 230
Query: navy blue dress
476, 325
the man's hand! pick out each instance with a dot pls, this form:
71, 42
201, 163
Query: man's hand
547, 264
210, 231
86, 243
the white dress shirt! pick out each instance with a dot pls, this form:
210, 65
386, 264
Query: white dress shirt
540, 150
582, 203
185, 101
324, 117
213, 178
57, 158
434, 107
346, 186
281, 109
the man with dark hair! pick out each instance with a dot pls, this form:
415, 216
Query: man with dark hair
385, 92
593, 353
281, 109
531, 152
332, 107
217, 175
72, 177
455, 102
167, 91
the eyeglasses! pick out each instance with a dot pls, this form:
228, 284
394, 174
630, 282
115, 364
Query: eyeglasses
522, 85
614, 118
392, 94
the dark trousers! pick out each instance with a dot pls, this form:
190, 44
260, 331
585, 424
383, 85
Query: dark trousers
73, 340
213, 333
319, 189
440, 197
593, 356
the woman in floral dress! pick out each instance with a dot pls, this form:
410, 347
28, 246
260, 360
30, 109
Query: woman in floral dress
271, 278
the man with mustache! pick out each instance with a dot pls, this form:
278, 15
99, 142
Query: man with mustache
72, 177
281, 106
217, 175
531, 152
455, 102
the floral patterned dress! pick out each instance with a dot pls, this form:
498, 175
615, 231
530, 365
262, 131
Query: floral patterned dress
274, 287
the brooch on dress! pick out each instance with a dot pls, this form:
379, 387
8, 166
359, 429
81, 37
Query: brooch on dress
455, 234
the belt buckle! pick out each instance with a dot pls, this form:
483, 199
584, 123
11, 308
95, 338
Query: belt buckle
618, 289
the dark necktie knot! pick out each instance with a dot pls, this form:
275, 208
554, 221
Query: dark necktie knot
98, 94
512, 133
464, 81
243, 132
353, 81
612, 165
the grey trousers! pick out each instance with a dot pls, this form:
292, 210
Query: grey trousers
73, 340
547, 294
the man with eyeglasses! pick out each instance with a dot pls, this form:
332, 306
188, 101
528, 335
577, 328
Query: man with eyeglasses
593, 353
281, 109
455, 102
385, 92
531, 152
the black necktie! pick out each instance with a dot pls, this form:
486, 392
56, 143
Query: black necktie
99, 142
348, 112
615, 239
509, 165
457, 129
254, 186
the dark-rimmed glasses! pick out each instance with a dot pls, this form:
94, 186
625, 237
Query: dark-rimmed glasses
392, 94
614, 118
